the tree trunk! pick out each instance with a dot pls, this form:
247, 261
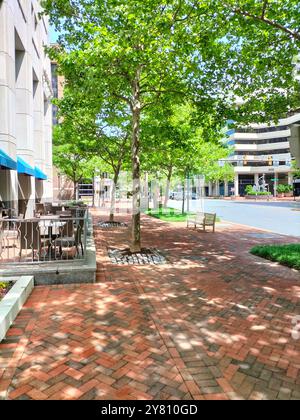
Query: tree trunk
113, 196
168, 187
136, 172
75, 186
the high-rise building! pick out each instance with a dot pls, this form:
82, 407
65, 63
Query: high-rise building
25, 107
262, 150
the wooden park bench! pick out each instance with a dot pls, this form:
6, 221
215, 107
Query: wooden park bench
203, 220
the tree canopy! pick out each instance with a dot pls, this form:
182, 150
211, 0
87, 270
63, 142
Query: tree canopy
137, 52
232, 57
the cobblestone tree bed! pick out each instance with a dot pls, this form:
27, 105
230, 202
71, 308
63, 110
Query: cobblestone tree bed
145, 257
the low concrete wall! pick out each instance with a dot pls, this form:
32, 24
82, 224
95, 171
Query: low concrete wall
67, 272
13, 301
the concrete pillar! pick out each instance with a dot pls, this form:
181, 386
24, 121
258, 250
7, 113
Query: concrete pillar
8, 178
236, 185
7, 81
155, 192
290, 178
38, 133
24, 107
48, 185
217, 190
26, 195
226, 188
210, 189
9, 188
256, 179
24, 125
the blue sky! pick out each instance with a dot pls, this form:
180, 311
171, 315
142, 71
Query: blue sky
53, 35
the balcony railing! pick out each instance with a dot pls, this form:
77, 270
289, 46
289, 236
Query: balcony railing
44, 239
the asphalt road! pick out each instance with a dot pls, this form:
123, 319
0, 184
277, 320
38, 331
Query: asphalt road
277, 217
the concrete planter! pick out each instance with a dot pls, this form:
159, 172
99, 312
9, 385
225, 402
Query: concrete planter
258, 197
13, 301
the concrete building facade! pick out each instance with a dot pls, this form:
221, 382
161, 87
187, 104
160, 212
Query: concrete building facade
262, 150
25, 107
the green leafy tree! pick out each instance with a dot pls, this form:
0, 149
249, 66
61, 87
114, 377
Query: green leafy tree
68, 156
104, 134
137, 52
261, 47
295, 170
182, 142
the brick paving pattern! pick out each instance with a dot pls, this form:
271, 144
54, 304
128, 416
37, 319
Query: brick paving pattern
212, 323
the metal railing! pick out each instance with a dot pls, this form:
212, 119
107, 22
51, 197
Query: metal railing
43, 239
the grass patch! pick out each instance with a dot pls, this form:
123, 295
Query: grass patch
288, 255
171, 215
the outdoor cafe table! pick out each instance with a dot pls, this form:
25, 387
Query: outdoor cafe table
50, 225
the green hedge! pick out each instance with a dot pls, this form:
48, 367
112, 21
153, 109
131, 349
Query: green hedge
288, 255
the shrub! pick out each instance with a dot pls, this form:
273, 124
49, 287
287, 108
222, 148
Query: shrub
281, 188
249, 190
284, 254
288, 188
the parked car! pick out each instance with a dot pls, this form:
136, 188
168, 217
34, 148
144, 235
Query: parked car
175, 195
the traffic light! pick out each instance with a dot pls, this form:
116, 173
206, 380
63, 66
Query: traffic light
270, 161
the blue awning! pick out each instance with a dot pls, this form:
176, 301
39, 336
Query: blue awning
6, 161
39, 174
24, 168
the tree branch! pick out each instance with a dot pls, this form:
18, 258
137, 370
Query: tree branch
293, 34
265, 5
123, 98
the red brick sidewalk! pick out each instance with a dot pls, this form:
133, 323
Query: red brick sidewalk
214, 323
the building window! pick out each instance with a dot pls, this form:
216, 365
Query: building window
262, 130
263, 153
262, 141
